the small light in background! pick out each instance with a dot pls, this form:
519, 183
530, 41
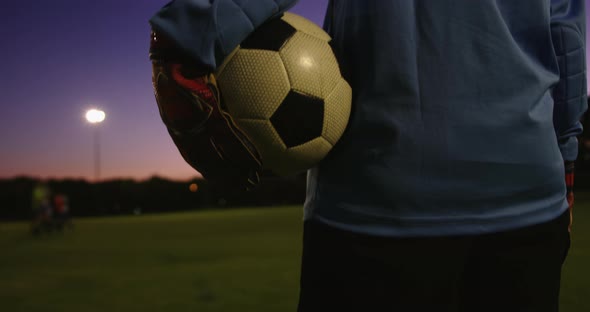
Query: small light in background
193, 187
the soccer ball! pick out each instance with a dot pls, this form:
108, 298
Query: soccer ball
283, 88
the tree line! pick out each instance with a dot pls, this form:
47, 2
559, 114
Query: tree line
126, 196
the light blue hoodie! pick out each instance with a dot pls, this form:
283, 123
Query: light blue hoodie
463, 110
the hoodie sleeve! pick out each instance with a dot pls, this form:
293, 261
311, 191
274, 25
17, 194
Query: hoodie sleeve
568, 25
208, 30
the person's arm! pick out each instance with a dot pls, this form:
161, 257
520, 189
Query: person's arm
568, 28
189, 40
568, 23
209, 30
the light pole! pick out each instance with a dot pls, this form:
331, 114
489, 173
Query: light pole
95, 117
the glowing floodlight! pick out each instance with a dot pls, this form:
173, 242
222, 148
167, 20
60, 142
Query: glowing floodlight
95, 116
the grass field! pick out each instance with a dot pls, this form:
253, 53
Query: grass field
232, 260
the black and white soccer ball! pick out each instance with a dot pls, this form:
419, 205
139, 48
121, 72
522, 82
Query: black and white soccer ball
284, 89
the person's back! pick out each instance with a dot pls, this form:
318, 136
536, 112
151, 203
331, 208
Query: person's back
447, 192
452, 130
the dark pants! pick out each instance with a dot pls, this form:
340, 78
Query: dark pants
517, 270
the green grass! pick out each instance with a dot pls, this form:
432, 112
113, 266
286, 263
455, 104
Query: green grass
233, 260
240, 260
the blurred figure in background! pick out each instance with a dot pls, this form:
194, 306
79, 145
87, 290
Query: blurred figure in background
41, 209
61, 211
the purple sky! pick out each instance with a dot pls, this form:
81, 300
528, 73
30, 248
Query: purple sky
62, 57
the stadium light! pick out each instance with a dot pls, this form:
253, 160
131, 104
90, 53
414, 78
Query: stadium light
96, 116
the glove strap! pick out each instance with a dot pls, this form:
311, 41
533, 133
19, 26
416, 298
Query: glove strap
569, 175
569, 182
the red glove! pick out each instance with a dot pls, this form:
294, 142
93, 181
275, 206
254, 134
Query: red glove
569, 183
206, 135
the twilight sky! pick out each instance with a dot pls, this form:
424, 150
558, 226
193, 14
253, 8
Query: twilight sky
62, 57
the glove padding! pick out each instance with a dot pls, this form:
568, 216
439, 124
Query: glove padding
205, 134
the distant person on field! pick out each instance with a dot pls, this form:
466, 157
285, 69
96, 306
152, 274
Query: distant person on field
61, 212
452, 188
41, 208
